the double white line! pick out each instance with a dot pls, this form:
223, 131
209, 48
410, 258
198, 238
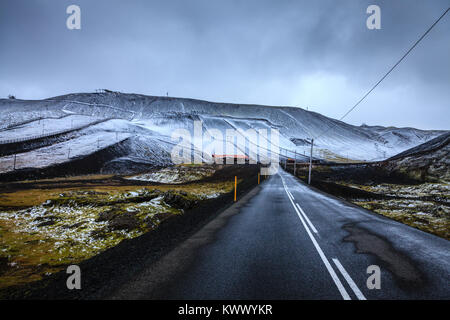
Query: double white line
303, 217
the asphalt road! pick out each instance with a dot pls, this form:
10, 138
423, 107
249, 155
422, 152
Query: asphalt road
288, 241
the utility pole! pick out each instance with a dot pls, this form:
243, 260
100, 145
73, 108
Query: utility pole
310, 161
15, 156
68, 154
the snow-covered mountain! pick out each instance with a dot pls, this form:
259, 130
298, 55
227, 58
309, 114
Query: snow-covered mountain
137, 128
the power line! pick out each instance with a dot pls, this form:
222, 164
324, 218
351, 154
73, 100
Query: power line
390, 70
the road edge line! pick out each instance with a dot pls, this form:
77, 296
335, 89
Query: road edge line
330, 269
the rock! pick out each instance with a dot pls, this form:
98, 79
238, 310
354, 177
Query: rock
150, 222
439, 212
3, 264
98, 234
107, 215
160, 216
47, 221
32, 242
75, 225
94, 193
48, 203
178, 201
72, 243
125, 221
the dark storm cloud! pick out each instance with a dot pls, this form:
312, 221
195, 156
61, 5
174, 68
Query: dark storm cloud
316, 54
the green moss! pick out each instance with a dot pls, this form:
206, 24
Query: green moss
410, 215
75, 233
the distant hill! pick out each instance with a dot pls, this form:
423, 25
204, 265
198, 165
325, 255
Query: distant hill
429, 161
116, 132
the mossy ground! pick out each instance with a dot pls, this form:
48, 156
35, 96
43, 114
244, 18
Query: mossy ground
413, 213
44, 230
176, 175
429, 216
331, 156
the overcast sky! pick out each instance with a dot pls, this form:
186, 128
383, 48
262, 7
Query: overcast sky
316, 54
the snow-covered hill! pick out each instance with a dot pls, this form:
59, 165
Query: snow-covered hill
147, 122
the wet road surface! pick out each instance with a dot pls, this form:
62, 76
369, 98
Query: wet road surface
289, 241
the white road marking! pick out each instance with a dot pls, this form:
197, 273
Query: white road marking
330, 269
306, 218
290, 195
301, 210
349, 280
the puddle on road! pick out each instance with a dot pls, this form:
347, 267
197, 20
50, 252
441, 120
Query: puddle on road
401, 267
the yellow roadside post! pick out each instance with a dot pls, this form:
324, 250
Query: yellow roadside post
235, 187
258, 177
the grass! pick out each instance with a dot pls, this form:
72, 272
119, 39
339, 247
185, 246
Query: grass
33, 197
71, 178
